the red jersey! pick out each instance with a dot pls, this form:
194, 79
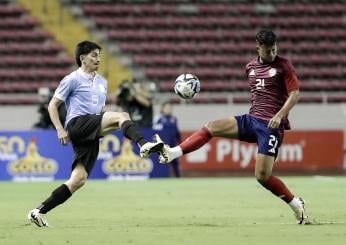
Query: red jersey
270, 85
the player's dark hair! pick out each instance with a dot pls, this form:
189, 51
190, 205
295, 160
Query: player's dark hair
85, 47
266, 37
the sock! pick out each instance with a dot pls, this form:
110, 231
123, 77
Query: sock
278, 188
176, 152
196, 140
131, 131
58, 196
295, 203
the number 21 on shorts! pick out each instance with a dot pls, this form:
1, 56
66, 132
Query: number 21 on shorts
273, 142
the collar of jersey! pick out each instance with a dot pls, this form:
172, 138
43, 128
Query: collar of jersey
86, 74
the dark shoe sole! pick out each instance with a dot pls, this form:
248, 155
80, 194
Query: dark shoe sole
156, 148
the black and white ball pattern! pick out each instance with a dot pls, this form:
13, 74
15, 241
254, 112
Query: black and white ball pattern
186, 86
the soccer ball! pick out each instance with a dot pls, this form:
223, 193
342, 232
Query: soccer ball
186, 86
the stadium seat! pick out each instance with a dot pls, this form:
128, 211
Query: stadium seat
336, 99
215, 40
30, 58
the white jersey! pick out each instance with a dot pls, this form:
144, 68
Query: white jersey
83, 94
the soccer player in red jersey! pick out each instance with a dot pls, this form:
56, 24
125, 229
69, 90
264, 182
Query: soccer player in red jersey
274, 92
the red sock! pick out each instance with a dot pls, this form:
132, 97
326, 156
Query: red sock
278, 188
196, 140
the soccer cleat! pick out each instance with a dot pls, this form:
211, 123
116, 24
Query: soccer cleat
300, 213
165, 155
37, 218
153, 146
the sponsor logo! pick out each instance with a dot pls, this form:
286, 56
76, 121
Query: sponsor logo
127, 164
243, 153
32, 164
272, 72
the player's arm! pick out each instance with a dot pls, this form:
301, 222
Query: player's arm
54, 117
285, 109
292, 85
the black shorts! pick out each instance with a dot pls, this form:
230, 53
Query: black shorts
84, 134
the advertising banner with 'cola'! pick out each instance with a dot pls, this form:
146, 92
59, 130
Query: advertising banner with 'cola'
37, 155
301, 151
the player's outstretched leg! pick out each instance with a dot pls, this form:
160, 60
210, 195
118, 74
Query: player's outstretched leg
192, 143
114, 120
131, 131
155, 145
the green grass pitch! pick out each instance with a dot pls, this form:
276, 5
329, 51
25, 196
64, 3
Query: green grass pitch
176, 211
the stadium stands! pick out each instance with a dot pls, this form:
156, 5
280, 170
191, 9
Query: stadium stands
30, 58
214, 40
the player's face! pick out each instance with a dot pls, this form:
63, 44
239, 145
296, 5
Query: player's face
91, 61
267, 53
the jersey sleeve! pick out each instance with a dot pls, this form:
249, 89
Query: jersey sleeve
64, 89
247, 70
290, 77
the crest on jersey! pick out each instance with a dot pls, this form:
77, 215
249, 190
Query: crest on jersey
272, 72
252, 73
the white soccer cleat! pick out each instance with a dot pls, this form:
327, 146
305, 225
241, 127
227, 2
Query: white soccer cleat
37, 218
300, 213
165, 155
153, 146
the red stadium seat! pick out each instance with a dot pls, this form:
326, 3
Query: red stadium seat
30, 58
336, 99
215, 40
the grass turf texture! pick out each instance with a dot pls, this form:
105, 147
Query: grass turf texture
170, 211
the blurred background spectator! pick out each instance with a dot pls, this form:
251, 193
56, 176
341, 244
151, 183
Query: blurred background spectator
166, 122
135, 98
44, 96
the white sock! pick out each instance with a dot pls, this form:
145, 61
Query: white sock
176, 152
295, 203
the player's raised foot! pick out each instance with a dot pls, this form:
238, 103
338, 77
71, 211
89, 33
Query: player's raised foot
153, 146
165, 155
300, 212
37, 218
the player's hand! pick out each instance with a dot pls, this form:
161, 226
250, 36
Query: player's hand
274, 122
63, 136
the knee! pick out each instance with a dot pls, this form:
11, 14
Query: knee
123, 116
79, 180
262, 176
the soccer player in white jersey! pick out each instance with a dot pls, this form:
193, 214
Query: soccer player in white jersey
84, 93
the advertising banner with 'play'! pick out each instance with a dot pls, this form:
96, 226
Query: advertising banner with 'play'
301, 151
